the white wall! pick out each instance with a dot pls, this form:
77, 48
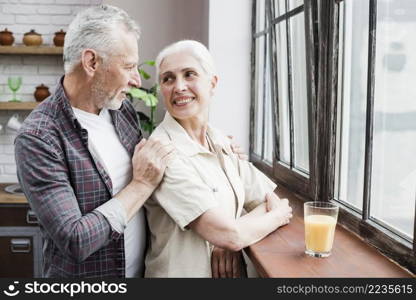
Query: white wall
163, 22
230, 44
224, 26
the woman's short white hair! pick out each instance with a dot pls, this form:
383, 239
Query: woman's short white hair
194, 48
95, 28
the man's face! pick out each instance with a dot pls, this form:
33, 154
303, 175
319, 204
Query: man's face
117, 73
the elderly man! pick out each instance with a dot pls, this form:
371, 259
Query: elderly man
79, 159
82, 162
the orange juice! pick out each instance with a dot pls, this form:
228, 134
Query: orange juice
319, 232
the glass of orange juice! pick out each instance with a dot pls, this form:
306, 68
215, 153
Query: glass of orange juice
320, 221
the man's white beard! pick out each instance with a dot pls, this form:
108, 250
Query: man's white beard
103, 99
113, 104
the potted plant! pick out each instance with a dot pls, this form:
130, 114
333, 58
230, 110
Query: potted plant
149, 98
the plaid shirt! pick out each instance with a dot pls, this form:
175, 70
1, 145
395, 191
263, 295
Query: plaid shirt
64, 184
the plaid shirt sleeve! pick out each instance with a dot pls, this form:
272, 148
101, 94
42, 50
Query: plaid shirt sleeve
43, 174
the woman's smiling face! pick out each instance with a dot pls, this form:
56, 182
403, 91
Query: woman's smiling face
185, 86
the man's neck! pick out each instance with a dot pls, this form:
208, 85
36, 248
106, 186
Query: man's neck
78, 90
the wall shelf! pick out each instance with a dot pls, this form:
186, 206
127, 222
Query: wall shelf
36, 50
18, 105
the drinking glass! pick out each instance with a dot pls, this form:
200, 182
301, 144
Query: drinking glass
14, 83
320, 222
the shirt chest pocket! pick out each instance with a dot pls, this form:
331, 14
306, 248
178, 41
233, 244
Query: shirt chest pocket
225, 185
207, 174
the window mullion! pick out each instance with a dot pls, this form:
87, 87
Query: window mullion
370, 109
290, 93
265, 62
274, 82
253, 76
311, 44
288, 14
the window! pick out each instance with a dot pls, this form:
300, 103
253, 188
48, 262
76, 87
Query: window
263, 111
338, 111
280, 112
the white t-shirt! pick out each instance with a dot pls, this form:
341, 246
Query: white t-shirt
105, 146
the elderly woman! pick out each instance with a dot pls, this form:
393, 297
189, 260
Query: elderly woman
200, 200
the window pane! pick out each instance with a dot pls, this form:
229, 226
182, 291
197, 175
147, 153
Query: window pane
268, 123
295, 3
259, 88
394, 142
279, 7
283, 92
261, 15
300, 103
352, 95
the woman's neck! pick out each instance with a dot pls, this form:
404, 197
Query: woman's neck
197, 129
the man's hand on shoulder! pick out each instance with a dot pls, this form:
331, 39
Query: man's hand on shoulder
149, 161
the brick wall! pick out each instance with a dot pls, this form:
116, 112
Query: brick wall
20, 16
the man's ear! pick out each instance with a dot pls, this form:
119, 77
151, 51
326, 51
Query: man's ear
89, 61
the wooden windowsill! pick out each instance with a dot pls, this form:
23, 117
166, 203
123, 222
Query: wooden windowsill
281, 254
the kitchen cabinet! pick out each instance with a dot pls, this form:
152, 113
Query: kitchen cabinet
20, 238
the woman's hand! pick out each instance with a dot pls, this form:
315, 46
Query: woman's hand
273, 202
237, 149
227, 264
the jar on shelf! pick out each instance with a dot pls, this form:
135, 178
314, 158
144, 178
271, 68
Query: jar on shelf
6, 38
42, 92
59, 38
32, 38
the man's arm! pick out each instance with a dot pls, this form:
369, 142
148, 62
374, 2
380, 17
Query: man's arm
44, 177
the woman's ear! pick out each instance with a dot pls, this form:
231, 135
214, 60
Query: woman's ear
214, 82
89, 61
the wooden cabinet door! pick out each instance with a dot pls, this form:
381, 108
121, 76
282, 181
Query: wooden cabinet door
16, 256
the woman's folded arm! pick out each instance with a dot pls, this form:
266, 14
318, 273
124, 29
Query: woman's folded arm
226, 232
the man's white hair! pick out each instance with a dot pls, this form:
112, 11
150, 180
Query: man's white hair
194, 48
95, 28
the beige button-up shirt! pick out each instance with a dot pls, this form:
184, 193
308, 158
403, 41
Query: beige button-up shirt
196, 181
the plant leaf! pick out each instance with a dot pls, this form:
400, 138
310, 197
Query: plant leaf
150, 100
148, 62
153, 100
144, 74
138, 93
